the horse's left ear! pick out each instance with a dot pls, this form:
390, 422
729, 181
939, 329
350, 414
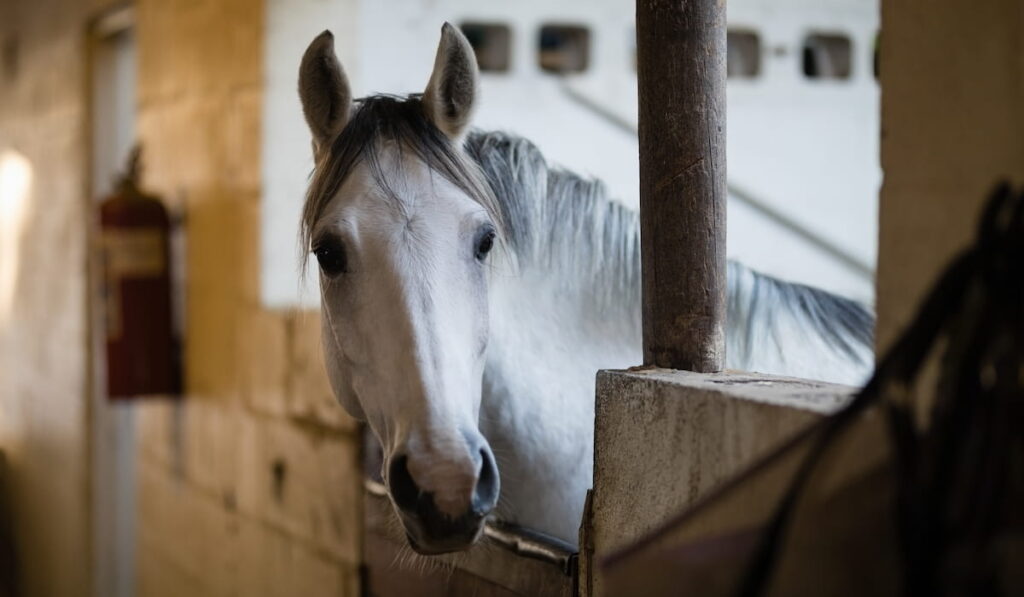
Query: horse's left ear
451, 91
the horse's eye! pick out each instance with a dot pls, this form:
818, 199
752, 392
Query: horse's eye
484, 244
330, 253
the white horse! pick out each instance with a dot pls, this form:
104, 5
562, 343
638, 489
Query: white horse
469, 294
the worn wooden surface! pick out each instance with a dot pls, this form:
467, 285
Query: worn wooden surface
489, 569
486, 570
681, 72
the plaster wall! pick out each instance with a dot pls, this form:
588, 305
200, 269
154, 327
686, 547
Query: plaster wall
44, 416
952, 123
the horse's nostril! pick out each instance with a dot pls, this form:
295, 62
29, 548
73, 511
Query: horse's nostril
485, 496
404, 490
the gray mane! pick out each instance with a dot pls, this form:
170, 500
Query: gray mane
560, 222
756, 301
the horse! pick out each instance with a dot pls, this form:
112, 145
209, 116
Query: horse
470, 292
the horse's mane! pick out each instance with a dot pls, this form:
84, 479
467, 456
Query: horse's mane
567, 225
558, 220
756, 302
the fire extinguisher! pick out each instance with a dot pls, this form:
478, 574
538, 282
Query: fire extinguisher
135, 260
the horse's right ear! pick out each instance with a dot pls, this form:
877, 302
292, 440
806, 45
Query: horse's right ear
324, 91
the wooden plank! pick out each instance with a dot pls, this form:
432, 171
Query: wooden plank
681, 73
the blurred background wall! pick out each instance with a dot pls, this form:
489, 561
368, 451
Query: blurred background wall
952, 124
44, 418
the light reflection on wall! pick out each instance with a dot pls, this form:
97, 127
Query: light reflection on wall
15, 186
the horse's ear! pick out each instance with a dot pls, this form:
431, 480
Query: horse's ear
451, 90
324, 91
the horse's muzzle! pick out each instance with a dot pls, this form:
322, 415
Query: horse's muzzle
431, 531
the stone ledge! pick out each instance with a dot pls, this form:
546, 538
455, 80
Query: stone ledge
663, 439
805, 394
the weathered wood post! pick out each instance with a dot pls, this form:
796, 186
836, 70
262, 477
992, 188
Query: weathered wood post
681, 55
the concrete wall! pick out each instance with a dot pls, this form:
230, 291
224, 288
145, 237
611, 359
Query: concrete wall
43, 325
952, 77
251, 485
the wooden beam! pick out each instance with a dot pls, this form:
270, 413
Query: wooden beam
681, 72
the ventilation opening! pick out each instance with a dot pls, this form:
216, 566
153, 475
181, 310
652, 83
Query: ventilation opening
827, 56
564, 48
631, 42
743, 54
492, 43
874, 55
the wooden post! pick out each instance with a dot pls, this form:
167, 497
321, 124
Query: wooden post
681, 72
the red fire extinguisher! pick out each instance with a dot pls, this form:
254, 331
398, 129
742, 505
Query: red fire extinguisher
135, 262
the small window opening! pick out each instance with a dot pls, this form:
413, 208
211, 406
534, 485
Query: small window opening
827, 56
631, 42
492, 43
874, 55
564, 48
743, 54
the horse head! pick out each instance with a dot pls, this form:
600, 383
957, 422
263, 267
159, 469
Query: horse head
401, 222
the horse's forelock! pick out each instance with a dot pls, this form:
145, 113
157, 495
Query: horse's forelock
378, 121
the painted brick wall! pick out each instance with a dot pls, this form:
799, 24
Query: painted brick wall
250, 486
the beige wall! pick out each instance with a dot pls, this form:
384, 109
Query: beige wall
952, 77
43, 375
251, 487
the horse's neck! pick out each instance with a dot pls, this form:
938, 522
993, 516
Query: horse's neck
581, 322
551, 333
548, 339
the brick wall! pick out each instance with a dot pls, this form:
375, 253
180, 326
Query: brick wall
249, 486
